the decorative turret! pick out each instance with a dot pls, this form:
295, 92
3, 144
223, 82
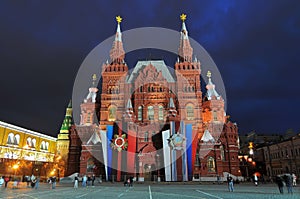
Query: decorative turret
67, 121
211, 92
92, 91
213, 104
117, 53
89, 107
185, 50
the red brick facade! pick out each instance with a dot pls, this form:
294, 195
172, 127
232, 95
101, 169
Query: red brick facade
140, 102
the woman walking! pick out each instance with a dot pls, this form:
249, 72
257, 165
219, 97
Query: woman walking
76, 183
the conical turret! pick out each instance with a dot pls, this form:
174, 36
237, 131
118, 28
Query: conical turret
67, 120
185, 50
117, 53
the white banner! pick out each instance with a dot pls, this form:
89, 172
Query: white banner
167, 158
104, 149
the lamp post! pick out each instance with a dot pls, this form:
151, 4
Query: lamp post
158, 167
15, 167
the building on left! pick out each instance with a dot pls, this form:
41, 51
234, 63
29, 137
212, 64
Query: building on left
26, 152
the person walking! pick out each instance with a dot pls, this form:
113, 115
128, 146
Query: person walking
1, 181
84, 179
130, 181
89, 179
93, 179
255, 178
279, 182
76, 182
294, 180
6, 180
53, 181
288, 182
230, 183
37, 183
33, 180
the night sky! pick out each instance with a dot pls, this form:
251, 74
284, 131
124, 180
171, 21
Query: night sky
255, 44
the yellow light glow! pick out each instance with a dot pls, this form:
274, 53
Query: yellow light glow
52, 173
15, 166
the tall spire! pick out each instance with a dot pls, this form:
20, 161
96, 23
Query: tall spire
211, 92
185, 50
67, 120
117, 53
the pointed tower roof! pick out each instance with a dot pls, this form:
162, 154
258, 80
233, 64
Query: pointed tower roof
67, 123
207, 137
129, 104
171, 103
185, 50
211, 91
184, 32
118, 33
117, 53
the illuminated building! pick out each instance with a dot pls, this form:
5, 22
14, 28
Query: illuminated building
151, 109
31, 150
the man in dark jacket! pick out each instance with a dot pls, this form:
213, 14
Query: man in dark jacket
279, 182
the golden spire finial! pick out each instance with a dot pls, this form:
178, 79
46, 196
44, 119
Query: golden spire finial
208, 74
119, 19
183, 17
94, 77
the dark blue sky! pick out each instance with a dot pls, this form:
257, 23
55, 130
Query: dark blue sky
255, 45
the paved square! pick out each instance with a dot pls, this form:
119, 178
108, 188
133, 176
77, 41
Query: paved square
151, 191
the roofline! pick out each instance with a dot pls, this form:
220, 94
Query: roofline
26, 131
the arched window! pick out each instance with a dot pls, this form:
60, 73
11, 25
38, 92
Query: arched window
141, 88
215, 116
43, 147
150, 113
88, 119
160, 113
10, 139
47, 146
17, 139
146, 136
112, 113
222, 153
33, 142
211, 164
90, 165
140, 113
190, 112
28, 142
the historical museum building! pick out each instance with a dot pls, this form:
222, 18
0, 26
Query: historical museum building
25, 152
151, 123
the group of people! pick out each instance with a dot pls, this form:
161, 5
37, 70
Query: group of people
289, 180
4, 180
86, 181
52, 181
286, 179
129, 182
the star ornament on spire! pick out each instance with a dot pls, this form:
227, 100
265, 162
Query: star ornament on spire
183, 17
119, 19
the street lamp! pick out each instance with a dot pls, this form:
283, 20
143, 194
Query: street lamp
15, 167
158, 167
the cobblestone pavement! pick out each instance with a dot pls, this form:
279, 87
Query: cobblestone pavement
152, 191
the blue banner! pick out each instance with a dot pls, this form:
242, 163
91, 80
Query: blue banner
110, 131
189, 139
